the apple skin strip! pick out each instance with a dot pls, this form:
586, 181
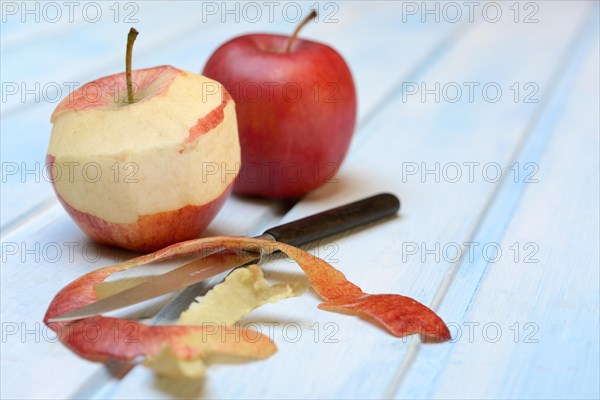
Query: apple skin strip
100, 338
243, 290
398, 314
225, 304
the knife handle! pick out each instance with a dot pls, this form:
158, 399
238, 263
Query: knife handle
336, 220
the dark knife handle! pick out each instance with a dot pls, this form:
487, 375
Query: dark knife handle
336, 220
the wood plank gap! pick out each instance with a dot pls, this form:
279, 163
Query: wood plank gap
411, 355
24, 220
559, 79
419, 69
563, 74
101, 70
22, 38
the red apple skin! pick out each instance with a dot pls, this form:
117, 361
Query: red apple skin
150, 232
101, 93
292, 141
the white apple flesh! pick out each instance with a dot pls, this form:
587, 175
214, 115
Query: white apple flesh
147, 174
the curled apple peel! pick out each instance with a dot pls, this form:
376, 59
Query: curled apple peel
100, 338
242, 291
224, 305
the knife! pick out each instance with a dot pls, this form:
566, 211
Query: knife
296, 233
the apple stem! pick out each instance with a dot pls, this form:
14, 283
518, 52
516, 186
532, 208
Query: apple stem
130, 39
310, 16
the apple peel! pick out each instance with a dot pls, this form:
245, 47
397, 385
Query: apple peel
242, 291
102, 338
223, 306
399, 315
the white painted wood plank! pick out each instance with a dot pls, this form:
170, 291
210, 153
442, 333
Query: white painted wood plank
534, 318
365, 360
384, 350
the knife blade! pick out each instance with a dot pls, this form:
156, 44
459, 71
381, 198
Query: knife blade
296, 233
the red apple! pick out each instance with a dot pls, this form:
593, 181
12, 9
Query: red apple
150, 172
296, 109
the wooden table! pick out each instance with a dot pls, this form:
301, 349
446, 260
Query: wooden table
482, 117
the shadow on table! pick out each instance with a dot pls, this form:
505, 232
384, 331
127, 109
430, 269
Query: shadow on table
180, 388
